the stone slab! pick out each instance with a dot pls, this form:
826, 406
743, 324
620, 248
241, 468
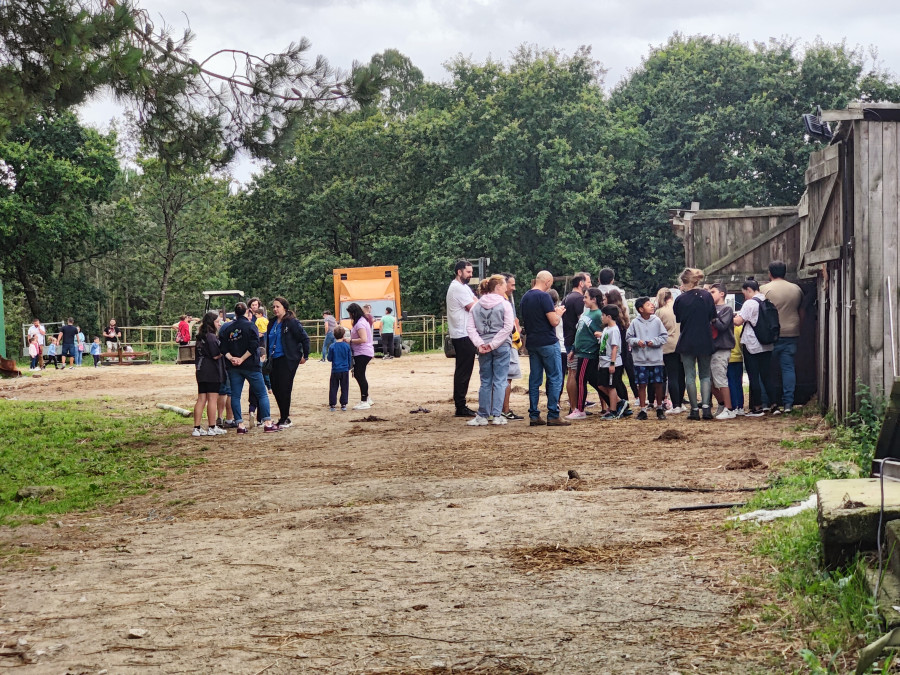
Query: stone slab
848, 515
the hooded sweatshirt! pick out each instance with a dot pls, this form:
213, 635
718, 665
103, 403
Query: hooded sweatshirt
654, 334
490, 321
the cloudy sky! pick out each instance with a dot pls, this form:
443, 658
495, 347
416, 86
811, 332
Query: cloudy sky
430, 32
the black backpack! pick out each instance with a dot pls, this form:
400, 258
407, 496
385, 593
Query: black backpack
767, 327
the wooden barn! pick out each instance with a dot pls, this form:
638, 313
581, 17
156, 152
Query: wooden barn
840, 244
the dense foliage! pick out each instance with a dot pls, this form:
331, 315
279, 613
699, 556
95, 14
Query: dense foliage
531, 163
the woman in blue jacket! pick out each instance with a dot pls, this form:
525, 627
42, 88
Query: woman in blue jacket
288, 347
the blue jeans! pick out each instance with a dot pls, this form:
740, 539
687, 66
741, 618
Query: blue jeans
736, 383
544, 359
692, 364
784, 352
494, 368
236, 377
78, 356
329, 340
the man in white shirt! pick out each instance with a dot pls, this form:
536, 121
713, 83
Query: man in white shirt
605, 282
38, 330
460, 299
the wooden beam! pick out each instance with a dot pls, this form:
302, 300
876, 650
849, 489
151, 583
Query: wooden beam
747, 212
753, 244
811, 258
840, 115
817, 172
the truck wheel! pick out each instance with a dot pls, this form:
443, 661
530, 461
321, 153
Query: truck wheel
398, 348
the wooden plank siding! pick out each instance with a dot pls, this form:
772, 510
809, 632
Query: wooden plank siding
857, 300
874, 273
890, 263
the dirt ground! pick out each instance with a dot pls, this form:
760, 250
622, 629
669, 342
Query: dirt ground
410, 544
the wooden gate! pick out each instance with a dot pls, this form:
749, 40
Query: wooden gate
823, 232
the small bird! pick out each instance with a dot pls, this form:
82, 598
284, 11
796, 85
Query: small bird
573, 474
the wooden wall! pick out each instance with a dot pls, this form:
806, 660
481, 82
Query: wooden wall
874, 252
733, 244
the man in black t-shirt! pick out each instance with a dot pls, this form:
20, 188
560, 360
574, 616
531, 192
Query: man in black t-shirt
539, 318
68, 342
574, 304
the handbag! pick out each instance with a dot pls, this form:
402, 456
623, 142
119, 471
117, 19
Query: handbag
449, 349
267, 366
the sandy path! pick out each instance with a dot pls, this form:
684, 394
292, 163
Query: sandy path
413, 544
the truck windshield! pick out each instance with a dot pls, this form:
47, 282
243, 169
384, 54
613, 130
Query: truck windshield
378, 307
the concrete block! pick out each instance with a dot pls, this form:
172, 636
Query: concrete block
848, 515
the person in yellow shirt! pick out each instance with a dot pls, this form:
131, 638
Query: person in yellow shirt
736, 374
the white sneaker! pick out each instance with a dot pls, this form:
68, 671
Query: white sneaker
370, 401
363, 405
215, 431
725, 415
199, 432
477, 421
500, 419
739, 412
675, 411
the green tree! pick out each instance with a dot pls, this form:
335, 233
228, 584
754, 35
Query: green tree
46, 222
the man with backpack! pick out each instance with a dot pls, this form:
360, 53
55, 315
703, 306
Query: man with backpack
786, 297
759, 317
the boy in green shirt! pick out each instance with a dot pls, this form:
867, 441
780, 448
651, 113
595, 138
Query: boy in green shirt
586, 351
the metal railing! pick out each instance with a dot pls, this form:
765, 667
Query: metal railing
422, 332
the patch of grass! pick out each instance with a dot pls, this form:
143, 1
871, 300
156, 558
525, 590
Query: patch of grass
833, 611
89, 452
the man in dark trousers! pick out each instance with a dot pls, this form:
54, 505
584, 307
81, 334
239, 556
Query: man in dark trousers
240, 347
460, 299
574, 304
539, 318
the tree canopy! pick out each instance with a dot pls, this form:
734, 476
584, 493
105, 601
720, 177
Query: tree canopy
532, 162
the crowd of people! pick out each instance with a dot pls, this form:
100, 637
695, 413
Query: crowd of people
588, 339
69, 343
676, 339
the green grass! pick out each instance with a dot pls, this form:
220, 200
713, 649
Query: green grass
90, 452
832, 611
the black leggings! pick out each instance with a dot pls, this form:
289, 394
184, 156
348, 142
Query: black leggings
674, 378
282, 377
359, 374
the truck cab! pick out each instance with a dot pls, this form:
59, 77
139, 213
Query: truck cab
376, 286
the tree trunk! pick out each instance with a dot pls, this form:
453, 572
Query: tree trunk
30, 291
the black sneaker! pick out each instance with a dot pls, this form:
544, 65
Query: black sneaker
230, 424
510, 415
284, 424
465, 412
660, 413
219, 423
642, 415
609, 416
707, 413
621, 407
694, 414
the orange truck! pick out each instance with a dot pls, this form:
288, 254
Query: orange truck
375, 286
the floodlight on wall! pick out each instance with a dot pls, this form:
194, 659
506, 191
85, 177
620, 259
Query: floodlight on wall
815, 127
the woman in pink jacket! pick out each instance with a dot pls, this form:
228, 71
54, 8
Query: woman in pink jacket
490, 324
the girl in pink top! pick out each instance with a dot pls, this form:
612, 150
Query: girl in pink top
363, 349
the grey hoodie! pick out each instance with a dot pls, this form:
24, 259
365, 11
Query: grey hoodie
653, 333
